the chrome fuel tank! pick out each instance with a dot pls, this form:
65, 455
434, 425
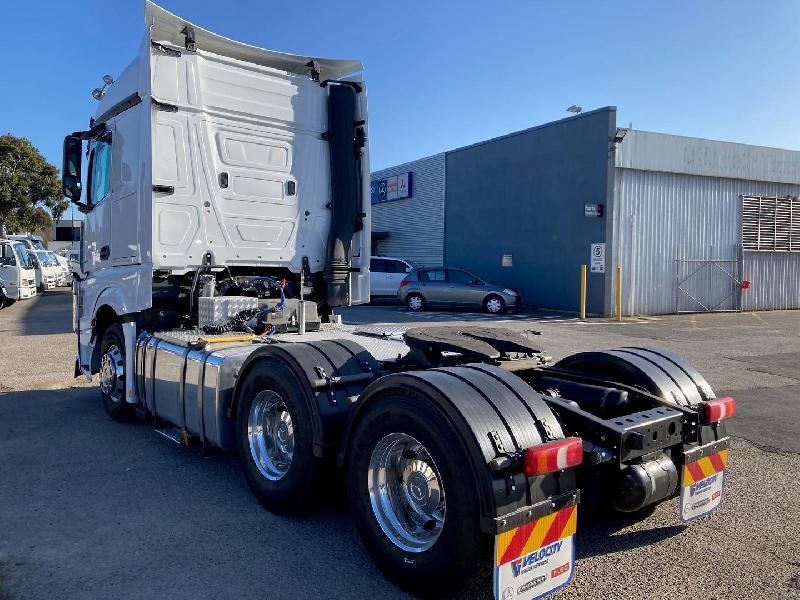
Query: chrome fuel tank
189, 387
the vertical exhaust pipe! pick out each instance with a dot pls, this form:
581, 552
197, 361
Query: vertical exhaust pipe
345, 166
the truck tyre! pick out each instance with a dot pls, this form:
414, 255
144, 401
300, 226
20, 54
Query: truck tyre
415, 302
274, 438
494, 304
413, 498
112, 374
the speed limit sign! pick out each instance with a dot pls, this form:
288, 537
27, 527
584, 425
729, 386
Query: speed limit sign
597, 260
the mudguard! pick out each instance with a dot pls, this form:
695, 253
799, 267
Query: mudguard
331, 374
494, 413
657, 371
654, 370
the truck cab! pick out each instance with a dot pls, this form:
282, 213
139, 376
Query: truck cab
209, 159
16, 270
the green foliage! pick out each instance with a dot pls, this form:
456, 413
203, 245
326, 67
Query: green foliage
28, 184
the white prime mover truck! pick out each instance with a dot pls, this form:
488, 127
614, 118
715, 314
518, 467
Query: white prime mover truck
227, 216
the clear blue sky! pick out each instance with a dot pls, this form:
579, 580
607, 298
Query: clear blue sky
445, 74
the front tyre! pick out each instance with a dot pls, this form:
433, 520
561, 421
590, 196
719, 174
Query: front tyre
494, 305
275, 439
112, 374
413, 498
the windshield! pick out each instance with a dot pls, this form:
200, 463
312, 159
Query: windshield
38, 245
44, 259
22, 256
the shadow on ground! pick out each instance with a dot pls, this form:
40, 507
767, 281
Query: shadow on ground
80, 491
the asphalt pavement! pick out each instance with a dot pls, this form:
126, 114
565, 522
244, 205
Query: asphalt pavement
90, 508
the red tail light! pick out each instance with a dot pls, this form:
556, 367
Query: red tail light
719, 409
553, 456
405, 282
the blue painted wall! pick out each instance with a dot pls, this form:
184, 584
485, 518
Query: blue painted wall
524, 195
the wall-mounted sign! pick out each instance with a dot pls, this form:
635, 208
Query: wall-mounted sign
597, 260
593, 210
396, 187
508, 260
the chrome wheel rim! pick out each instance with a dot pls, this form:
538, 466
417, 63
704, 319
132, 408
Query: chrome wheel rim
406, 493
271, 435
415, 303
493, 305
112, 373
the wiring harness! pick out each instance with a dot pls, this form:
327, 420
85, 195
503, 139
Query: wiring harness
239, 322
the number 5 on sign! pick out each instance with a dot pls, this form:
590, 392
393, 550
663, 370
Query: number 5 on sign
597, 260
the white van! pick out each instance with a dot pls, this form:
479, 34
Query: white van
385, 275
46, 278
65, 274
16, 270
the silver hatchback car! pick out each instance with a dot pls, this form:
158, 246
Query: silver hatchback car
454, 288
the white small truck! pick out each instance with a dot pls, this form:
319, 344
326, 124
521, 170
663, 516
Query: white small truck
227, 216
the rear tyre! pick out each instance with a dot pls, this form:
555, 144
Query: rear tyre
413, 498
494, 305
275, 439
112, 374
415, 302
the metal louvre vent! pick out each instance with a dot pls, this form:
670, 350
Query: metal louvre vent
771, 223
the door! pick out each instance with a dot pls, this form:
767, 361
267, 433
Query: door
377, 277
9, 270
433, 285
464, 288
396, 271
97, 223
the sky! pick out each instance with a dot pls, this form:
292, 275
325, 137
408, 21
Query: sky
445, 74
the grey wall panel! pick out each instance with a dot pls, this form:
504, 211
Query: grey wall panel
416, 224
664, 215
647, 151
524, 195
775, 280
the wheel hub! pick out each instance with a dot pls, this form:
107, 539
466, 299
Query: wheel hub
270, 435
494, 305
112, 373
406, 494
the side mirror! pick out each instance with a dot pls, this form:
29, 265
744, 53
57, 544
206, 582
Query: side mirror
71, 171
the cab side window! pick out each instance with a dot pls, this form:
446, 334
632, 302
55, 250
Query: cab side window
7, 257
99, 170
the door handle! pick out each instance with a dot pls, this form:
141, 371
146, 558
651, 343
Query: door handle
105, 252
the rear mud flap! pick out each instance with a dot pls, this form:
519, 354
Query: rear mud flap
703, 485
536, 559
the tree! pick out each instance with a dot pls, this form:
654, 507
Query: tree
28, 185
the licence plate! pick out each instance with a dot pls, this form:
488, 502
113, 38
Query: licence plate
703, 485
537, 558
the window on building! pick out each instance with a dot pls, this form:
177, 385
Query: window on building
771, 223
67, 234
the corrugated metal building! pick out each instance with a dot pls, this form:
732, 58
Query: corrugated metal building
694, 224
412, 228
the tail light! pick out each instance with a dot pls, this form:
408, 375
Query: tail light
719, 409
405, 282
553, 456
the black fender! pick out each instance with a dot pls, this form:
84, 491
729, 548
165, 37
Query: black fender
657, 371
493, 413
318, 368
654, 370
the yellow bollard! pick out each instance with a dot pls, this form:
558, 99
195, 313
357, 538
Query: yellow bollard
619, 294
583, 292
